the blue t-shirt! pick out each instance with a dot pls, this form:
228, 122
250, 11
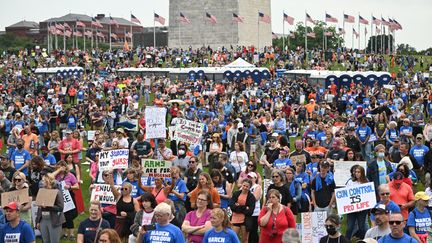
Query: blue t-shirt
363, 133
405, 129
280, 163
136, 190
164, 234
392, 134
225, 236
49, 159
418, 152
180, 187
392, 207
22, 233
421, 221
389, 239
19, 158
382, 172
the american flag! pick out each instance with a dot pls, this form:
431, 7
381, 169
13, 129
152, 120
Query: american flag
114, 36
264, 18
237, 18
384, 22
100, 34
349, 18
128, 34
292, 34
375, 21
88, 33
96, 23
341, 31
311, 34
80, 23
113, 22
184, 19
377, 30
398, 25
355, 33
308, 18
59, 32
328, 33
59, 26
77, 33
211, 18
68, 33
159, 19
288, 19
331, 19
135, 19
274, 36
363, 20
66, 26
52, 29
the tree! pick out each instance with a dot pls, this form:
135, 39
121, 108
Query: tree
12, 42
374, 43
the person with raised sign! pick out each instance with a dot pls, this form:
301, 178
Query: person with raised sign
19, 182
159, 190
16, 230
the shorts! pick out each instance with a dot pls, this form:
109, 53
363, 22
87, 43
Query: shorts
239, 224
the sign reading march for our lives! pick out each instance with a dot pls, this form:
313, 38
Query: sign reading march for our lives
155, 122
113, 159
103, 193
188, 131
156, 168
342, 171
355, 198
312, 226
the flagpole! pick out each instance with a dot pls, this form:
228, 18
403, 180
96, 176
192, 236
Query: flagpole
48, 37
324, 36
306, 32
110, 33
154, 31
359, 34
352, 40
232, 31
365, 38
64, 39
283, 32
371, 38
131, 36
343, 26
84, 31
56, 40
258, 33
179, 33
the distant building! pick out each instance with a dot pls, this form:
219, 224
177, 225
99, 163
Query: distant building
226, 32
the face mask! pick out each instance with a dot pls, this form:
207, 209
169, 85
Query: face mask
20, 146
331, 230
240, 129
181, 152
380, 155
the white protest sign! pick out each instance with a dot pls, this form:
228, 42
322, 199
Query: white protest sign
313, 226
91, 135
342, 171
134, 123
156, 168
155, 122
113, 159
103, 193
355, 198
188, 131
67, 198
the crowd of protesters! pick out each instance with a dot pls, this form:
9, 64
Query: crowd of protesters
241, 181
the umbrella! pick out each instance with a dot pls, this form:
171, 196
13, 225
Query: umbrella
126, 124
180, 102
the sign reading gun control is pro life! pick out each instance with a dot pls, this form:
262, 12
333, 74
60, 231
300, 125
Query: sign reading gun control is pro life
156, 168
355, 198
188, 131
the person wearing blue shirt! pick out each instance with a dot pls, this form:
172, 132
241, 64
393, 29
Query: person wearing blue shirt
419, 150
419, 220
16, 230
178, 193
47, 156
363, 133
280, 124
164, 231
221, 232
384, 196
283, 161
406, 131
21, 157
397, 225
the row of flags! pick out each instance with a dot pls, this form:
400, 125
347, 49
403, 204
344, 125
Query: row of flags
59, 29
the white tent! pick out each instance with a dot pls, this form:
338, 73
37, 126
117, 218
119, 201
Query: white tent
240, 63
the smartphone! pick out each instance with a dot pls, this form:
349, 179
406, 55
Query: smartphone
149, 227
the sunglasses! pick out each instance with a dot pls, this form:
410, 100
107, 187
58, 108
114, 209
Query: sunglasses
191, 161
275, 176
385, 194
124, 189
251, 165
395, 222
17, 179
106, 174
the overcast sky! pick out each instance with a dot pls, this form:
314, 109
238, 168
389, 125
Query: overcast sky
413, 15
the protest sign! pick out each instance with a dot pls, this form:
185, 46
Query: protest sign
67, 199
46, 197
129, 124
155, 122
298, 158
156, 168
91, 135
313, 226
113, 159
342, 171
103, 193
19, 196
355, 198
188, 131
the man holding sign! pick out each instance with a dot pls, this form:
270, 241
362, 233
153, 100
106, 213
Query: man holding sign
16, 230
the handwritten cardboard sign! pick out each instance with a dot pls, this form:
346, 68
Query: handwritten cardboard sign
298, 158
103, 193
312, 225
46, 197
156, 168
19, 196
155, 122
113, 159
188, 131
342, 171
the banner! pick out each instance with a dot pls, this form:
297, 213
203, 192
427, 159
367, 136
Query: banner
91, 135
113, 159
156, 168
19, 196
67, 198
298, 158
342, 171
102, 193
188, 131
313, 228
46, 197
155, 122
129, 124
355, 198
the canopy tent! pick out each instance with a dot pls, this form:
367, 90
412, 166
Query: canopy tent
239, 63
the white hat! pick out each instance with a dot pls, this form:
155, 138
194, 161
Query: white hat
240, 125
406, 160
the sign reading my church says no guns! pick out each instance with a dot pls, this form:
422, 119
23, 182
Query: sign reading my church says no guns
113, 159
355, 198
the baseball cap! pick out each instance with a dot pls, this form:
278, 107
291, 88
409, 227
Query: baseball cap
44, 148
397, 176
325, 164
12, 205
240, 125
419, 136
68, 132
252, 174
422, 196
3, 156
379, 207
367, 240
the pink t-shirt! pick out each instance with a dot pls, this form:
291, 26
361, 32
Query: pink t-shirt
195, 221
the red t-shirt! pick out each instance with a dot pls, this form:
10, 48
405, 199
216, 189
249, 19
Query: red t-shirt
284, 220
